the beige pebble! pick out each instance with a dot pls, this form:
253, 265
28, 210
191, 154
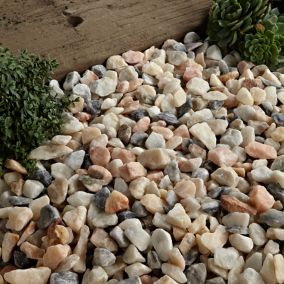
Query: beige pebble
9, 242
131, 171
55, 255
152, 203
19, 218
178, 217
39, 275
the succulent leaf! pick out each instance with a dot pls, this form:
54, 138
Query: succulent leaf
232, 18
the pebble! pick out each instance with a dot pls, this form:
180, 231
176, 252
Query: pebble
75, 159
178, 217
174, 272
116, 202
38, 275
260, 198
48, 214
154, 159
272, 218
196, 273
241, 243
222, 156
132, 255
226, 258
64, 278
204, 133
226, 176
57, 191
162, 243
250, 276
75, 218
137, 269
257, 234
214, 52
18, 218
103, 257
139, 237
261, 151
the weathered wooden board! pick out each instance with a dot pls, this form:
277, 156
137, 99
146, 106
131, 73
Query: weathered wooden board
80, 33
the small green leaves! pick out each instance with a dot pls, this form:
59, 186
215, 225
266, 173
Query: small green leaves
29, 115
229, 19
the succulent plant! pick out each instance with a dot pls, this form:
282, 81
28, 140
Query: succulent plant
265, 47
229, 20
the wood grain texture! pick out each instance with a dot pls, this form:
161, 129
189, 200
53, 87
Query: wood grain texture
109, 27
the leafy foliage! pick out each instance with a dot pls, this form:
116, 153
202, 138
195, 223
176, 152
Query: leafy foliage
251, 27
263, 47
29, 114
230, 19
267, 44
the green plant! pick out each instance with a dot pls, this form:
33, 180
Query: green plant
229, 20
264, 48
266, 45
29, 114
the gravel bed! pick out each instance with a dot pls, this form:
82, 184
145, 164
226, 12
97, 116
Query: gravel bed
169, 169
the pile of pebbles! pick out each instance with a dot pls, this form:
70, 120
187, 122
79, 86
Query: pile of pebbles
169, 169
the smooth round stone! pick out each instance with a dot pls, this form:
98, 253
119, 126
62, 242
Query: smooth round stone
32, 188
48, 214
75, 159
196, 273
139, 139
241, 243
226, 258
99, 70
64, 278
272, 218
162, 243
103, 257
214, 52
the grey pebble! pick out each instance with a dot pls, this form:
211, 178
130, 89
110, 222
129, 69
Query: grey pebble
201, 173
103, 257
196, 274
172, 170
278, 164
117, 234
139, 139
43, 176
168, 117
126, 215
139, 209
277, 192
101, 197
138, 114
210, 206
191, 256
272, 218
19, 200
64, 278
48, 214
185, 107
99, 70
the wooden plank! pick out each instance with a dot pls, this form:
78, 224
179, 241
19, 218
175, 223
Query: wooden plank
52, 27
